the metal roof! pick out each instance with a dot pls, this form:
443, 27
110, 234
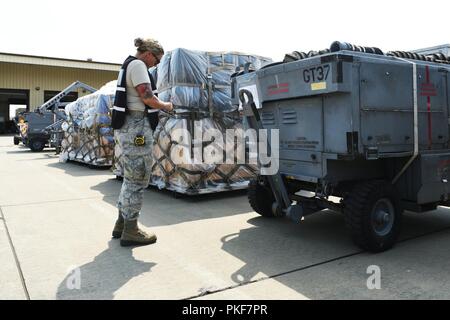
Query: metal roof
443, 48
58, 62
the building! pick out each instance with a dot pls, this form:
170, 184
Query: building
443, 48
26, 82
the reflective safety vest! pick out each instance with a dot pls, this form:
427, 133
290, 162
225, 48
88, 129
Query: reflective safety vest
120, 108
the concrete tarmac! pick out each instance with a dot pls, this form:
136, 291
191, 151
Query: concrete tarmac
55, 243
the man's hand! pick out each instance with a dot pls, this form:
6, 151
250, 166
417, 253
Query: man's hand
169, 107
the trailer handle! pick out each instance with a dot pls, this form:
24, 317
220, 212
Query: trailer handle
416, 127
275, 181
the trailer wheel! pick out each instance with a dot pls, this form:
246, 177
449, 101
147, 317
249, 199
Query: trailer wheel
373, 214
16, 141
260, 198
36, 145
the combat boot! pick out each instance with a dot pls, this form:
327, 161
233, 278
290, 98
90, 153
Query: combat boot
133, 236
118, 227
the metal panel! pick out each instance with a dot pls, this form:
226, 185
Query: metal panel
303, 78
387, 107
337, 122
301, 139
305, 133
304, 165
386, 102
435, 173
386, 86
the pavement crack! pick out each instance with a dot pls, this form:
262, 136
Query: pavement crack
54, 201
13, 249
245, 283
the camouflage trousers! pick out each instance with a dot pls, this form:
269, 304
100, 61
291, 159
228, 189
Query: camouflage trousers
136, 162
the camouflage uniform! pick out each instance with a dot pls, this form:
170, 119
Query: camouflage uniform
136, 162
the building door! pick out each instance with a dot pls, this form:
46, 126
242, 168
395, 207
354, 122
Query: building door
11, 102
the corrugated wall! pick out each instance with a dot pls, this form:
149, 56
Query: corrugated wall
29, 77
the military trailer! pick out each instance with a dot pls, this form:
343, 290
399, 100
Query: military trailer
368, 128
34, 135
42, 127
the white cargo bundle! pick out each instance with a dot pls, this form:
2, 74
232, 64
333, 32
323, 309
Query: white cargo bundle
88, 136
199, 85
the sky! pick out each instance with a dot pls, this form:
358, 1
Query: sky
105, 30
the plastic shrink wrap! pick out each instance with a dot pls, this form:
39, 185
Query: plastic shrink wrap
199, 85
88, 136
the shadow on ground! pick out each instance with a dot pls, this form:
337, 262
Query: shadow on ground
78, 169
24, 150
45, 156
276, 246
102, 277
162, 207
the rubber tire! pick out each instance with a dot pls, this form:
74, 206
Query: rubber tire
358, 207
16, 141
260, 198
36, 145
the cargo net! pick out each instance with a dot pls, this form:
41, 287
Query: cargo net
199, 85
87, 134
174, 157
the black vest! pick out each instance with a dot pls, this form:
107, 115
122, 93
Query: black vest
120, 108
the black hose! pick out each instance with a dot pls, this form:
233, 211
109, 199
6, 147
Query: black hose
339, 46
297, 55
435, 57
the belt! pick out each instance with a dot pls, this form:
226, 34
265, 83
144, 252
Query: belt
135, 113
